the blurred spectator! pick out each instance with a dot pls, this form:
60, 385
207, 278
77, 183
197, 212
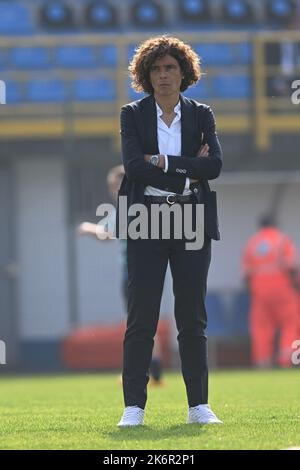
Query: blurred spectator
114, 179
269, 267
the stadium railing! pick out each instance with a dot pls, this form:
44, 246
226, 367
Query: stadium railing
76, 84
276, 67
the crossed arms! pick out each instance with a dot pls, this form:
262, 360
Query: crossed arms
203, 166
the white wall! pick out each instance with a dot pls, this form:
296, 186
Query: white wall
42, 256
99, 281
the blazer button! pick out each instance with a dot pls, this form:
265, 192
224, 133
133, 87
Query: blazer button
195, 190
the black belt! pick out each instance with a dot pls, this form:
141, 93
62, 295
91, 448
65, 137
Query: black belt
170, 199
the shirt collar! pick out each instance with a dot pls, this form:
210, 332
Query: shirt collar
177, 109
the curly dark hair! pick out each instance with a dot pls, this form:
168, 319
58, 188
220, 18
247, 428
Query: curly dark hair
157, 47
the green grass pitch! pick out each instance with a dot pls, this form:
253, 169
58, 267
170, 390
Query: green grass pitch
260, 410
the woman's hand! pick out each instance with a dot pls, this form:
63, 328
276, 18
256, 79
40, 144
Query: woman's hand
203, 151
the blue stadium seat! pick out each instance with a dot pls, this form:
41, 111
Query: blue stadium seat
30, 57
244, 53
227, 314
46, 90
108, 55
202, 90
224, 53
94, 89
76, 56
232, 86
15, 18
215, 53
241, 311
14, 92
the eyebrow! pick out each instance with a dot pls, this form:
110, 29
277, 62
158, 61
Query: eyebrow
164, 65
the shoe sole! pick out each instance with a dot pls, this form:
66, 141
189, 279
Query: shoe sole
129, 425
208, 422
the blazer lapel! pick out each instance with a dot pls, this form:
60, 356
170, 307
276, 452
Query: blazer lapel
188, 127
190, 140
149, 117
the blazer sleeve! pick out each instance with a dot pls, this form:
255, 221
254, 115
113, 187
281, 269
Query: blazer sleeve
201, 167
133, 159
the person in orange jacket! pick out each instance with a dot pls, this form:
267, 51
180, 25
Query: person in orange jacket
269, 268
114, 179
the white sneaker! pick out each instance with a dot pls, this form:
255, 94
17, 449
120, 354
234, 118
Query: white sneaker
202, 414
132, 416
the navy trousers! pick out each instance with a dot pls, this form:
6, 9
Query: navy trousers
147, 264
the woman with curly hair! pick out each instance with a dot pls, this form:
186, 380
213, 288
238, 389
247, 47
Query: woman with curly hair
170, 150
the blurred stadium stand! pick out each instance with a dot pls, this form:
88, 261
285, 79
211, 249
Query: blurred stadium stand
64, 63
235, 39
56, 15
16, 18
101, 15
36, 16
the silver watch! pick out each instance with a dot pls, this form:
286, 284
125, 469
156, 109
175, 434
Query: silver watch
154, 160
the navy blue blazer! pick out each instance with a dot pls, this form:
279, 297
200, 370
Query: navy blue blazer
139, 137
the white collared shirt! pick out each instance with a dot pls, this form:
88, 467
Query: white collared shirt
169, 143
